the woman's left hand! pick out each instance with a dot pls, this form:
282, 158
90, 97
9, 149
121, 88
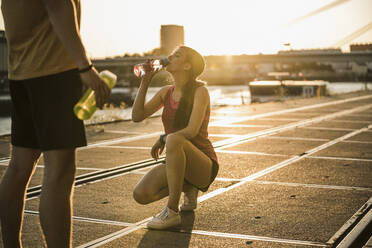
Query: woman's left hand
157, 149
146, 79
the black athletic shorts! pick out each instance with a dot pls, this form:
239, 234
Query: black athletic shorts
42, 112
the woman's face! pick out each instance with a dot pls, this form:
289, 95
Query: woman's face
177, 61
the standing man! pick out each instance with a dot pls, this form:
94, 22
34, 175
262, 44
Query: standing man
47, 67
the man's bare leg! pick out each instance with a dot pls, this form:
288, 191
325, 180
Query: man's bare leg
12, 193
56, 197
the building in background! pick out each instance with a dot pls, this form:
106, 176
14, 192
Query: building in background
361, 47
171, 36
312, 51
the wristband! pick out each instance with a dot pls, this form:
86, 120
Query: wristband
85, 69
161, 139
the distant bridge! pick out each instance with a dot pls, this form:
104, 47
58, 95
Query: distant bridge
358, 57
125, 61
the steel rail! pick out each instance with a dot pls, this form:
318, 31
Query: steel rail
102, 174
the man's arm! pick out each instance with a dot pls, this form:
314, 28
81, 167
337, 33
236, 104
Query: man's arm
62, 14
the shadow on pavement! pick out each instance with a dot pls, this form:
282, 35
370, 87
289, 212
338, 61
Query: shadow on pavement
177, 237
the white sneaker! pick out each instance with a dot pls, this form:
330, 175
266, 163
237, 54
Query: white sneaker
165, 219
190, 200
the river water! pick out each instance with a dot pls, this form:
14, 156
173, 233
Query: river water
220, 96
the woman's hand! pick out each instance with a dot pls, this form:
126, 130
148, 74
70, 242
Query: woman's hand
157, 149
146, 79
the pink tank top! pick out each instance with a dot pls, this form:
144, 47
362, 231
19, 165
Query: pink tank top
201, 140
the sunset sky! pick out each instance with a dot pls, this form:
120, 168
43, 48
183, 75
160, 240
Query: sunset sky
115, 27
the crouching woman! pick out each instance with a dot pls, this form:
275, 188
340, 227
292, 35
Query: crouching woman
191, 162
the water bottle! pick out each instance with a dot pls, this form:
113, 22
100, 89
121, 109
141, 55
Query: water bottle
86, 106
153, 65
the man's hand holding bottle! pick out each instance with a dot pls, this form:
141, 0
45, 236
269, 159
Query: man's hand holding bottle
91, 79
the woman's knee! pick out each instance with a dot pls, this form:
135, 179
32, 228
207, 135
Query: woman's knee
174, 142
141, 196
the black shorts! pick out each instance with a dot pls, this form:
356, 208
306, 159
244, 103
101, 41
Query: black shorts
42, 112
215, 168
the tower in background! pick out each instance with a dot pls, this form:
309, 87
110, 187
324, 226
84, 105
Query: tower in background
171, 36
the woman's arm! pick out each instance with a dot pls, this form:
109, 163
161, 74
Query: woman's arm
201, 102
142, 110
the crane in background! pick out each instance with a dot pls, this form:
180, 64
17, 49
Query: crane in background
353, 35
317, 11
349, 38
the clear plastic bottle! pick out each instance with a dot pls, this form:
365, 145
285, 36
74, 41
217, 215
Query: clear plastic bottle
153, 65
86, 106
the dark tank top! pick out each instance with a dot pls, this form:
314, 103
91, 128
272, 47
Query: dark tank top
201, 140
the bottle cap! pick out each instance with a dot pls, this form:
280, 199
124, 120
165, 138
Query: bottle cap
164, 62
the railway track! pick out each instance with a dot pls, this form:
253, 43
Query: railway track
340, 238
107, 173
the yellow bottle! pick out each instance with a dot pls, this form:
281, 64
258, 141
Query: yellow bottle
86, 106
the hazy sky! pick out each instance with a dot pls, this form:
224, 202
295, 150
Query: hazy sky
115, 27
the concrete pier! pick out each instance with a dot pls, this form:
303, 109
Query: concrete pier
294, 173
